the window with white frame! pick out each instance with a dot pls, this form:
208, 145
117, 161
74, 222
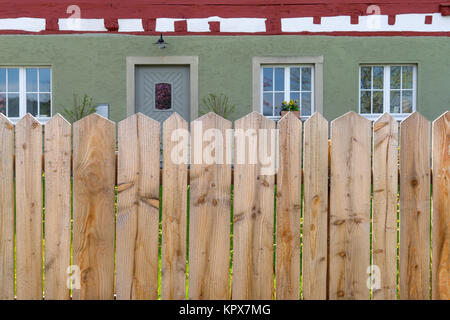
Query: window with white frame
285, 83
387, 88
26, 90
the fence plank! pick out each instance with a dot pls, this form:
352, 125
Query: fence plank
441, 208
138, 208
58, 149
29, 208
174, 209
288, 208
6, 209
93, 212
253, 211
209, 229
385, 184
350, 207
414, 207
315, 212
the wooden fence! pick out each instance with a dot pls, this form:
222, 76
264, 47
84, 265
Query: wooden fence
338, 221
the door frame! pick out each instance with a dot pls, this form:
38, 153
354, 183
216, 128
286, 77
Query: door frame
191, 61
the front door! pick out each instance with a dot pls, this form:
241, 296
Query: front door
163, 90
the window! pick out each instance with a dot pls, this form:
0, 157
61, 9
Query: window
285, 83
390, 88
26, 90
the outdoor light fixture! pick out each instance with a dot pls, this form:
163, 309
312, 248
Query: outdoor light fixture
161, 43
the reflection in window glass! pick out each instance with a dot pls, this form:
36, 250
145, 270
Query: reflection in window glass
2, 80
13, 80
163, 96
44, 80
3, 103
268, 79
32, 103
279, 79
32, 75
44, 105
295, 79
13, 105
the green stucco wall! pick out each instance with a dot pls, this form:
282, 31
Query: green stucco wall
96, 65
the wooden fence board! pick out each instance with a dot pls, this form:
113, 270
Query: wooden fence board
6, 209
138, 208
441, 208
350, 207
253, 214
29, 208
94, 146
315, 210
58, 150
385, 189
414, 207
174, 210
209, 229
288, 208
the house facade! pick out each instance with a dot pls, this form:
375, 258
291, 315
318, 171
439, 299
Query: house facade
331, 56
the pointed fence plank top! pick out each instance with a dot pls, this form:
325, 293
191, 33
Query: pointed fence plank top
58, 150
441, 208
94, 147
385, 182
350, 207
6, 209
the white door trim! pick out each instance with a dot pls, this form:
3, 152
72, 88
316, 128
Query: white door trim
191, 61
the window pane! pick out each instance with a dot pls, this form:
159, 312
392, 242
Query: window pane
3, 103
32, 104
13, 80
407, 101
32, 80
395, 101
44, 105
2, 80
365, 101
279, 79
268, 104
366, 76
296, 97
407, 80
268, 79
163, 96
377, 102
279, 98
13, 105
378, 77
395, 77
44, 80
306, 104
295, 79
306, 79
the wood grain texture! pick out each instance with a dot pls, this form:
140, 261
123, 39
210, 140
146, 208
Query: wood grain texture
441, 208
94, 146
385, 188
174, 210
138, 208
414, 207
29, 208
58, 152
253, 212
315, 209
6, 209
350, 207
289, 182
209, 229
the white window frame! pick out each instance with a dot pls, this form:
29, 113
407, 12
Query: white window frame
23, 92
387, 90
287, 86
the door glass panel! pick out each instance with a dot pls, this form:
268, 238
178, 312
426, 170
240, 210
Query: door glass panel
163, 96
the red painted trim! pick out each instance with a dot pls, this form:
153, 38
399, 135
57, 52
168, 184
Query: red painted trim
317, 20
391, 20
428, 19
445, 9
214, 26
180, 26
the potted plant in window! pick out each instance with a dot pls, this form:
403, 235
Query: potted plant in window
292, 106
